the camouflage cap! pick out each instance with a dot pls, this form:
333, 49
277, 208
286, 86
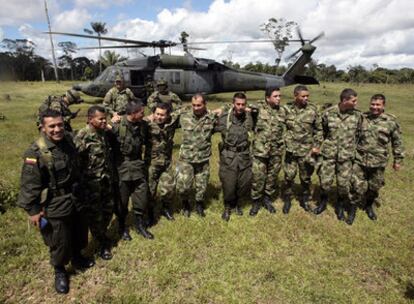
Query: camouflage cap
73, 96
119, 78
162, 82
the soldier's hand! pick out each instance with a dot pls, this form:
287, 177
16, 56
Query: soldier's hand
116, 118
315, 151
248, 109
218, 111
35, 219
396, 167
75, 114
150, 117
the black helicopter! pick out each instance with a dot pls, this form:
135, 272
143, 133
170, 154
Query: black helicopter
186, 74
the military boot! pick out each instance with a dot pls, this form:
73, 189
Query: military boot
369, 209
226, 213
151, 221
166, 211
339, 210
287, 203
80, 262
304, 199
239, 210
323, 202
123, 230
351, 214
255, 207
200, 209
61, 280
267, 202
186, 208
141, 228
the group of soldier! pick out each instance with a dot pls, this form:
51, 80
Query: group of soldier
75, 181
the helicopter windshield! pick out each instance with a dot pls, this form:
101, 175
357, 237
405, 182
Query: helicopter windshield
104, 75
108, 75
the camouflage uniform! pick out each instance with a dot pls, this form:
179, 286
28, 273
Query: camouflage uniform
195, 152
235, 161
267, 150
340, 132
96, 158
303, 132
48, 182
372, 155
115, 101
167, 98
161, 177
59, 105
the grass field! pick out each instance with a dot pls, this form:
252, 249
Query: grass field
299, 258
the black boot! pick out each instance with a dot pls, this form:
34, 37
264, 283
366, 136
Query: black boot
351, 214
141, 228
267, 202
200, 209
81, 262
304, 199
226, 213
339, 210
255, 207
238, 210
105, 253
61, 280
166, 211
123, 231
287, 204
186, 208
369, 209
323, 202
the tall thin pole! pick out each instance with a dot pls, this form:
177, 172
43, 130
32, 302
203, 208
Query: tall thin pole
51, 43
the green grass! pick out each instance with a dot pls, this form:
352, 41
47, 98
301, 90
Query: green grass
299, 258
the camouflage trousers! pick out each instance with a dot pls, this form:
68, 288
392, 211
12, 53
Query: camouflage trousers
329, 170
99, 207
65, 237
137, 190
161, 181
291, 164
189, 173
265, 175
366, 183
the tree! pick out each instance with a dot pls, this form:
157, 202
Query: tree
279, 31
110, 58
66, 60
99, 28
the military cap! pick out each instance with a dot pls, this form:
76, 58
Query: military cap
73, 96
119, 78
161, 82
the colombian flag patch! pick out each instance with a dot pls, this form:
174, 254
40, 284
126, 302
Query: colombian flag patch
30, 161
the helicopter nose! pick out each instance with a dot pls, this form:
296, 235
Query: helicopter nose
77, 87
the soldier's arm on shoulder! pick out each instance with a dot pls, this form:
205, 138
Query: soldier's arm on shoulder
31, 183
177, 99
248, 123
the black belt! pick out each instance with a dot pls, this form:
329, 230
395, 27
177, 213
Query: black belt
236, 149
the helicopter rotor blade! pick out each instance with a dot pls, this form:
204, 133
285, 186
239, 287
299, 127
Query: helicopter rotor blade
239, 41
300, 35
294, 54
317, 37
112, 47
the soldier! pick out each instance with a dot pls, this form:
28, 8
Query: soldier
302, 140
49, 193
341, 126
164, 95
378, 132
267, 150
117, 98
131, 135
195, 151
61, 104
94, 145
162, 125
235, 161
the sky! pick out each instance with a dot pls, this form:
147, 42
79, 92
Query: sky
357, 32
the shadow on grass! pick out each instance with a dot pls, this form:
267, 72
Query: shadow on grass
409, 291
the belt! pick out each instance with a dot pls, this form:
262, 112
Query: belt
236, 149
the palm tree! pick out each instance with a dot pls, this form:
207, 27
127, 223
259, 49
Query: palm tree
110, 58
99, 28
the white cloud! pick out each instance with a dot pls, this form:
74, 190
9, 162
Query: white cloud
16, 12
103, 4
71, 21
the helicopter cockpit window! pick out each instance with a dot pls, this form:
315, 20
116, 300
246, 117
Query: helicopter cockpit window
175, 77
137, 78
103, 76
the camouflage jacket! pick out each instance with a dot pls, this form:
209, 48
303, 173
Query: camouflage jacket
115, 101
59, 105
196, 136
376, 135
235, 138
176, 101
160, 141
341, 132
268, 132
303, 129
131, 138
48, 175
95, 149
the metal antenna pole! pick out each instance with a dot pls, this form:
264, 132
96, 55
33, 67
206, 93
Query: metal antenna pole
51, 43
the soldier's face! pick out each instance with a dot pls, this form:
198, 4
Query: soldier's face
274, 99
160, 116
162, 88
239, 106
53, 127
137, 116
376, 107
302, 98
350, 104
119, 85
98, 120
199, 106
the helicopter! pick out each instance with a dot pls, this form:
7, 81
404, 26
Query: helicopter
186, 74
